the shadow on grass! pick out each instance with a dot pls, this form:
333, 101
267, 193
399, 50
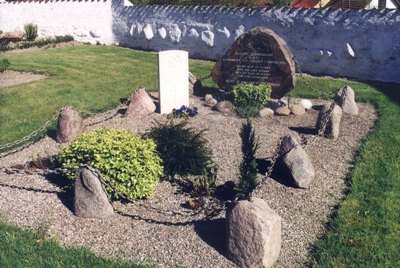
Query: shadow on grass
390, 90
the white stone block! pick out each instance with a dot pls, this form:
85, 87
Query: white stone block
173, 72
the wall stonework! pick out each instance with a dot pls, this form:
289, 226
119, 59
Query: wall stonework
87, 21
358, 44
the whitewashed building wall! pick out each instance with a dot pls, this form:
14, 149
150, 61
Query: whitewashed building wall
360, 44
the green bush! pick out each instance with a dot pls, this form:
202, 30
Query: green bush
126, 160
248, 98
183, 151
4, 64
248, 167
30, 30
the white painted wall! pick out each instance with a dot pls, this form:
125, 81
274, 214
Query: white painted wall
87, 21
358, 44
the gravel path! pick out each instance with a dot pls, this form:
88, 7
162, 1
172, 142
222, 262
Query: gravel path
158, 236
11, 78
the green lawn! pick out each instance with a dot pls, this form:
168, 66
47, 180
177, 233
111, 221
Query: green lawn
365, 232
28, 249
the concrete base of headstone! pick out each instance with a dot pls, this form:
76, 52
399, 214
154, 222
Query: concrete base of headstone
90, 200
347, 101
141, 103
254, 234
296, 166
332, 129
69, 125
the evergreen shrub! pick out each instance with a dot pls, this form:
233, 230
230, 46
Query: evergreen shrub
4, 64
30, 30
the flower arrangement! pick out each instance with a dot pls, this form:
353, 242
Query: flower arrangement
184, 112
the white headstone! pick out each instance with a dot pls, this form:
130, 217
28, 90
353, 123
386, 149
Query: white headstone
173, 83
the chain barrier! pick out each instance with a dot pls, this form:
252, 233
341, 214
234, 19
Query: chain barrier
210, 207
305, 143
31, 135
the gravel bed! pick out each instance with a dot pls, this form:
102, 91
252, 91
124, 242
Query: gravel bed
147, 231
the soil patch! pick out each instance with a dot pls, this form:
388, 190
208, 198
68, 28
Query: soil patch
147, 231
11, 78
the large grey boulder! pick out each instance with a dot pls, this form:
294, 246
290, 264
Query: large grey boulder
90, 200
297, 166
345, 98
332, 120
254, 234
69, 125
141, 103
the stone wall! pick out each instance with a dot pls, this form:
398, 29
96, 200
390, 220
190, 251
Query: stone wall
87, 21
358, 44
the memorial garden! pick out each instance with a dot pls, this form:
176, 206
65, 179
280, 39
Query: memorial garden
157, 159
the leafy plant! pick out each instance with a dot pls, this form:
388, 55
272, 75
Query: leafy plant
4, 64
184, 112
248, 98
183, 151
205, 184
30, 30
248, 167
126, 160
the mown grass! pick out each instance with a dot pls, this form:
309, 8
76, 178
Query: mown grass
25, 249
365, 232
89, 78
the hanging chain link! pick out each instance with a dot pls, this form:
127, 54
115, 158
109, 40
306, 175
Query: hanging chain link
31, 135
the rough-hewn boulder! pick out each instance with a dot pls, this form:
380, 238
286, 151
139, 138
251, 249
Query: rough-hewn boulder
9, 37
259, 55
141, 103
225, 107
195, 85
296, 165
334, 118
284, 110
254, 234
345, 98
297, 109
69, 125
90, 200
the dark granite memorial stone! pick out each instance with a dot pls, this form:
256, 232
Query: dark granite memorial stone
258, 56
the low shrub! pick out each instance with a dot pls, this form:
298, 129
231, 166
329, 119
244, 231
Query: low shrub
183, 151
30, 31
248, 167
126, 160
4, 64
248, 98
205, 184
38, 42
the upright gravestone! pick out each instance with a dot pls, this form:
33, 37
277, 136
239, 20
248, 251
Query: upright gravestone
173, 72
258, 56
